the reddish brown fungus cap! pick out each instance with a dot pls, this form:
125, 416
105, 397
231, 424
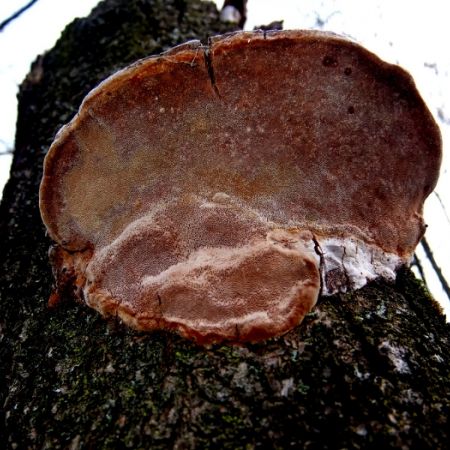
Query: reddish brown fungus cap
191, 189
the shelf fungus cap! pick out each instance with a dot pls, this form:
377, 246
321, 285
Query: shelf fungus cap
218, 190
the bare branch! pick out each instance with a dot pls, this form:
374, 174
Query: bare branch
16, 14
320, 22
436, 268
416, 262
442, 205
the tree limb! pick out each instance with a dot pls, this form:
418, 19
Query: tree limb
416, 262
16, 14
436, 268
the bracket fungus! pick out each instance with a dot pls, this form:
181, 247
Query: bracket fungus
218, 190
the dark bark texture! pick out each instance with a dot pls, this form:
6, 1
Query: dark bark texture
368, 369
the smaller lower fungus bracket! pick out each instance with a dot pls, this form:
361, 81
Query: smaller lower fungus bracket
219, 197
245, 292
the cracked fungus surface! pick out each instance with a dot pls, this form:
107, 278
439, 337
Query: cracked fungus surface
214, 189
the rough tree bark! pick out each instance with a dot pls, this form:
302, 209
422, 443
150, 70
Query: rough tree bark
365, 370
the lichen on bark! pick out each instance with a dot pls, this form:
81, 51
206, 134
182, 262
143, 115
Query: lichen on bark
368, 369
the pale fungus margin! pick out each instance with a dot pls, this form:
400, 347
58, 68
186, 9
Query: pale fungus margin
218, 190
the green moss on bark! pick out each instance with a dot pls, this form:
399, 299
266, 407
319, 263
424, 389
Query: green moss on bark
365, 370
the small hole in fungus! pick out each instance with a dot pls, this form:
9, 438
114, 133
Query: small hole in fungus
348, 71
351, 110
330, 61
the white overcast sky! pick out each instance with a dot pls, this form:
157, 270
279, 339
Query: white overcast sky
412, 33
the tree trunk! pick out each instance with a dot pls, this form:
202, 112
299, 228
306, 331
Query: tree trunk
368, 369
